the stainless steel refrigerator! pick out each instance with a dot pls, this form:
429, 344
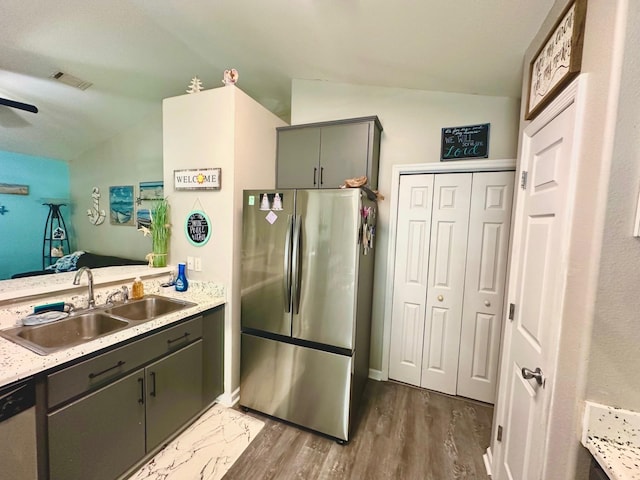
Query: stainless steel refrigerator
307, 280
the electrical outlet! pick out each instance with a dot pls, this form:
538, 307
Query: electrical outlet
189, 263
197, 264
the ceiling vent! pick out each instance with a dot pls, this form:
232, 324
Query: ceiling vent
70, 80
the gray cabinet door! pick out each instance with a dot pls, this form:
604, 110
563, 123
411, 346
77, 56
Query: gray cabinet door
213, 359
298, 157
173, 393
324, 155
344, 153
100, 435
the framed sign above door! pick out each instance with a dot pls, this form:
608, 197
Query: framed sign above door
559, 59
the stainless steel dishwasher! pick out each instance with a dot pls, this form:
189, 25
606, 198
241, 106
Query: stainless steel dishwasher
18, 432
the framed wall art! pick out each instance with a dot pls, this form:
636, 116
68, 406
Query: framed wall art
558, 60
470, 141
121, 205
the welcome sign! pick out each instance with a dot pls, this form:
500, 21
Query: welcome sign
197, 179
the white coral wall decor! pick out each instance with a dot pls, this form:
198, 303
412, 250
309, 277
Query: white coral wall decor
96, 216
230, 76
195, 86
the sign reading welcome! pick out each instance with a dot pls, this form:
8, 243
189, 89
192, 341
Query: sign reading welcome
471, 141
197, 179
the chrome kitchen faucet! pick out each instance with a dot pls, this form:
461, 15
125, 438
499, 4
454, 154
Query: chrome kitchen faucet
76, 281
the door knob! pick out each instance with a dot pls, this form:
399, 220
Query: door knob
529, 374
440, 298
487, 303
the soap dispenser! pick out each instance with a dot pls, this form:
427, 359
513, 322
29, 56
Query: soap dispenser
137, 290
181, 281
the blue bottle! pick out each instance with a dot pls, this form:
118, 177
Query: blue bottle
181, 282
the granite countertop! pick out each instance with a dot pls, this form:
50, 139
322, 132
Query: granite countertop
612, 435
17, 362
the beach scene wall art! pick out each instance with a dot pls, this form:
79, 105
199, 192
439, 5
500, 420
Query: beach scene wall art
121, 205
152, 190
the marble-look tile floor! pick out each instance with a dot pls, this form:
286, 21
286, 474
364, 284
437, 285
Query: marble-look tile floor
206, 450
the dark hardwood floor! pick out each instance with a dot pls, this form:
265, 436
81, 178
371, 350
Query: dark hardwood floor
401, 433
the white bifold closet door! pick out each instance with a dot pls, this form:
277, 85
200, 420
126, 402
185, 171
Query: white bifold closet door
451, 251
445, 286
484, 286
410, 277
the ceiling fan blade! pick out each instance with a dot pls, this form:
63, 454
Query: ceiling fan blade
19, 105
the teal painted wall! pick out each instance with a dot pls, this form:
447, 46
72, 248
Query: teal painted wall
22, 225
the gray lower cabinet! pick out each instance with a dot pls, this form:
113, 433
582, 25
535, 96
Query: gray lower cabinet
174, 392
107, 412
100, 435
323, 155
213, 355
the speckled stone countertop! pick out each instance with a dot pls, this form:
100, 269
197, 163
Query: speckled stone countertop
17, 362
612, 435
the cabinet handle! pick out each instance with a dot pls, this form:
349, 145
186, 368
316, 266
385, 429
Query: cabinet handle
321, 175
117, 365
141, 383
315, 172
153, 384
183, 337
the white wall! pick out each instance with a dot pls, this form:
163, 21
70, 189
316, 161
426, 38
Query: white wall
132, 157
412, 121
604, 32
221, 127
614, 355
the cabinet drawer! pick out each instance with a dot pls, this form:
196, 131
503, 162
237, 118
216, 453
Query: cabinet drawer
100, 370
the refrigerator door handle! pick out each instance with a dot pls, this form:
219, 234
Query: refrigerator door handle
295, 288
286, 280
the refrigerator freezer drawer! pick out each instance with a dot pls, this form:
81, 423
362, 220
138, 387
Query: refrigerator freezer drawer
308, 387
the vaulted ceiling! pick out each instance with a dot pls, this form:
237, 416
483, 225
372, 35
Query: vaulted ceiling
137, 52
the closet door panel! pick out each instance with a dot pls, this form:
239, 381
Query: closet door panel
410, 277
482, 317
449, 224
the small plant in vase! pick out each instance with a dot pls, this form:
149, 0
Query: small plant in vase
159, 229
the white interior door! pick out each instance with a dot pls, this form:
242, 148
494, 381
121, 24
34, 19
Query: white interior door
482, 311
410, 277
536, 289
447, 259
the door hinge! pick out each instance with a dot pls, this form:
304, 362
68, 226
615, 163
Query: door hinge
523, 180
512, 310
499, 436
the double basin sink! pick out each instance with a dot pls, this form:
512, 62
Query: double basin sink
82, 327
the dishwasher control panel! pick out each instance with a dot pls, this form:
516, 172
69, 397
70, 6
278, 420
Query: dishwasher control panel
16, 398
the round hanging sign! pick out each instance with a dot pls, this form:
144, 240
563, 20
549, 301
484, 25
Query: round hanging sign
197, 228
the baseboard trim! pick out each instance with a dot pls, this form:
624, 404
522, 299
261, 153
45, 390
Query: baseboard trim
229, 399
375, 374
488, 460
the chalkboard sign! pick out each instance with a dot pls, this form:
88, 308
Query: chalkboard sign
197, 228
471, 141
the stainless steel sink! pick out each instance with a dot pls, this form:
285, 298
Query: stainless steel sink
86, 326
149, 307
75, 330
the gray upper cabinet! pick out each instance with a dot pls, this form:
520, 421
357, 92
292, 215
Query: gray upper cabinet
323, 155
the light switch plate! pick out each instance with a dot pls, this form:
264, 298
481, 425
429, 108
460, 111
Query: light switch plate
189, 263
197, 264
